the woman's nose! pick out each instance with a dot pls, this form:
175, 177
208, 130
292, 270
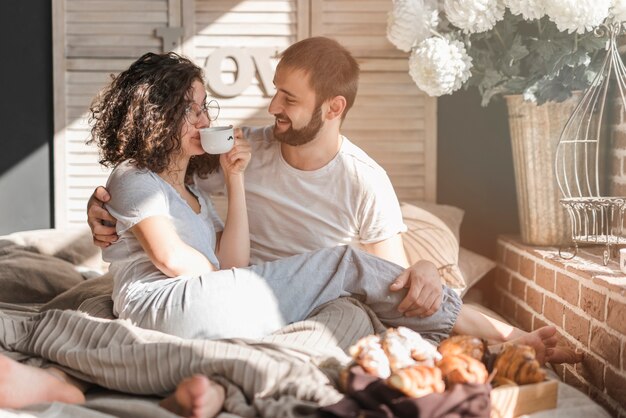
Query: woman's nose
204, 121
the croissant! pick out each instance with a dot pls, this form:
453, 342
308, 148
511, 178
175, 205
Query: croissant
462, 368
368, 354
463, 344
417, 380
405, 347
518, 363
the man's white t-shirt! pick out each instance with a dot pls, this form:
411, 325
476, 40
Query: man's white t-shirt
349, 201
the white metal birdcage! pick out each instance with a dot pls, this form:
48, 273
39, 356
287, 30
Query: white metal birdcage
582, 155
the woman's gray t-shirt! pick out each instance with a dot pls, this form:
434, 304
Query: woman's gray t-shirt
137, 194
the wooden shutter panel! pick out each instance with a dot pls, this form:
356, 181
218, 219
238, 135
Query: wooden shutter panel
92, 39
392, 120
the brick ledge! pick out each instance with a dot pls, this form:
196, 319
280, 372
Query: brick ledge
587, 264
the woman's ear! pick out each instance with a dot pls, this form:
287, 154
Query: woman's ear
336, 106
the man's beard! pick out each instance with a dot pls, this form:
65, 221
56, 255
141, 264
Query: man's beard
304, 135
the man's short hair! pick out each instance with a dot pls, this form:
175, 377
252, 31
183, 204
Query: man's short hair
331, 68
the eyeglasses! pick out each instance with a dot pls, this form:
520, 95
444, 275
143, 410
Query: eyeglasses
194, 111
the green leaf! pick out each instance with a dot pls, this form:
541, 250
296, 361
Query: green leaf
491, 78
531, 57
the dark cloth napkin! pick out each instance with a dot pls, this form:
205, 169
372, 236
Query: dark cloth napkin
368, 396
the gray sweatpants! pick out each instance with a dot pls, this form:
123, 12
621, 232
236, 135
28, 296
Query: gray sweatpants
256, 301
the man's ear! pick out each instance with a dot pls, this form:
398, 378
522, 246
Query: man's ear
336, 106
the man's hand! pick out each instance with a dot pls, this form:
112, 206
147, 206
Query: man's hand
100, 221
425, 290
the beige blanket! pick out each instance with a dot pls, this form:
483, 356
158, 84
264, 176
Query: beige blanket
286, 374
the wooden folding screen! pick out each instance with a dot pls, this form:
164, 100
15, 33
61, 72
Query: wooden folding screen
392, 120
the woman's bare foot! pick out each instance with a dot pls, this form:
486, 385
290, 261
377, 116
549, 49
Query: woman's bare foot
544, 341
22, 385
196, 397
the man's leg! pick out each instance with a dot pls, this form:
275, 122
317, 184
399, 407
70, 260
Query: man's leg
304, 282
544, 340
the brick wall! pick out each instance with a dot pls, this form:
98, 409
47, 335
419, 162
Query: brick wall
585, 300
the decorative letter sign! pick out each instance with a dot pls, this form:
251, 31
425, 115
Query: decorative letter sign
246, 59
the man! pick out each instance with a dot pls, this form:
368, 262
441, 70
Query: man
307, 186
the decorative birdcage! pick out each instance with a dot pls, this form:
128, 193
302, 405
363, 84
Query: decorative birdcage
582, 155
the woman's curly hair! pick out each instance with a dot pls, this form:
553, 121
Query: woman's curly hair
138, 117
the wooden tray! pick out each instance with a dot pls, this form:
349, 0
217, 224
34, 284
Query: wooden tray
512, 401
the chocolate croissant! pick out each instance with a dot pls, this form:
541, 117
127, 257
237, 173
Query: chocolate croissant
463, 344
518, 363
368, 354
417, 380
462, 368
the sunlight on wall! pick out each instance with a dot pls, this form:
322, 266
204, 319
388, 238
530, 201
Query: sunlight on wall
104, 38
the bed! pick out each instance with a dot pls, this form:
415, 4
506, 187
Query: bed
55, 306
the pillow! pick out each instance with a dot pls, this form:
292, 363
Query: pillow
29, 277
74, 245
450, 215
473, 267
429, 238
74, 297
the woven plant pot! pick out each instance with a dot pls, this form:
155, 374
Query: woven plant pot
535, 132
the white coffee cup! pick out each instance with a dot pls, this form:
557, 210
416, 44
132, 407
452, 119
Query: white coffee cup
217, 139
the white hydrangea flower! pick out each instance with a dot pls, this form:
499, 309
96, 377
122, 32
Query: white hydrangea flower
577, 15
529, 9
440, 66
618, 11
474, 16
411, 21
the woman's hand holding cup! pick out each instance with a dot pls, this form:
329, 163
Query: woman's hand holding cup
235, 161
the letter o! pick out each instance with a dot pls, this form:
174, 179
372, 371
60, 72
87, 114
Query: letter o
245, 71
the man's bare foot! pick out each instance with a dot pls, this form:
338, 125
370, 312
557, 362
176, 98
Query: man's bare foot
196, 397
544, 341
22, 385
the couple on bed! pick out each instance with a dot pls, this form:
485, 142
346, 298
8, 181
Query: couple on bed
178, 269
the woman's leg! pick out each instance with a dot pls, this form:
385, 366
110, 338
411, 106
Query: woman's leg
256, 301
22, 385
196, 397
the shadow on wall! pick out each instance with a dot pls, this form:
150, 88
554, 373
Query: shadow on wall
475, 168
25, 115
27, 88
